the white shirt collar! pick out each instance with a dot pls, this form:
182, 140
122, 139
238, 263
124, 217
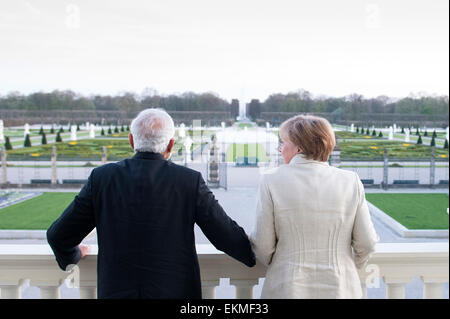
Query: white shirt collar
301, 159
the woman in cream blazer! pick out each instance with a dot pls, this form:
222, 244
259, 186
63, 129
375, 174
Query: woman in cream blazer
313, 227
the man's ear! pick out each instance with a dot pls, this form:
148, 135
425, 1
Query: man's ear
170, 146
130, 139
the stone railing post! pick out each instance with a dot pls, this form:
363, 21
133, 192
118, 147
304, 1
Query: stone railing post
11, 289
432, 288
385, 182
53, 160
4, 167
244, 287
104, 155
213, 164
209, 288
432, 166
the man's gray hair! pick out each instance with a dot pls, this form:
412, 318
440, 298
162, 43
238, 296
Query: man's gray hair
152, 130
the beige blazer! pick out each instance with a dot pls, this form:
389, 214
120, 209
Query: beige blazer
313, 230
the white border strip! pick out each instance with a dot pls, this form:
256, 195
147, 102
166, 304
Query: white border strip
402, 230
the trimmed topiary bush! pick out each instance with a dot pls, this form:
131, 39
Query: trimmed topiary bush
27, 142
8, 145
419, 141
44, 139
433, 142
58, 137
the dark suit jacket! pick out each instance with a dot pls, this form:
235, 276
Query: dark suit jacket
144, 209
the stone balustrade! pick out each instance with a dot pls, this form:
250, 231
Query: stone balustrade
394, 263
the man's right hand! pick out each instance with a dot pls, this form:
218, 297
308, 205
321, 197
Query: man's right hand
85, 249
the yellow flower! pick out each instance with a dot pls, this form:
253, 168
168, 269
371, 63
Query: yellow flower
444, 156
73, 143
115, 135
109, 146
367, 136
374, 147
35, 154
406, 144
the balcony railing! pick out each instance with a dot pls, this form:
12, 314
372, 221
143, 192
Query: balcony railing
395, 264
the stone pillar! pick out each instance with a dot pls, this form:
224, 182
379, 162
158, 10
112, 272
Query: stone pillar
335, 156
385, 182
53, 159
209, 288
104, 155
73, 133
91, 131
26, 130
407, 133
213, 163
187, 153
4, 167
2, 137
223, 143
181, 131
432, 166
391, 133
244, 287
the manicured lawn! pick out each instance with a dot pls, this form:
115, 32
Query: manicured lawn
414, 211
36, 213
249, 150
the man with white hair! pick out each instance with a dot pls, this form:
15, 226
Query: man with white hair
144, 209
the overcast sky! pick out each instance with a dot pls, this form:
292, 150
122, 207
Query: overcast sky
237, 48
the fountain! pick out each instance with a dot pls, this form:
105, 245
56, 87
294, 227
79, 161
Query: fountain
242, 112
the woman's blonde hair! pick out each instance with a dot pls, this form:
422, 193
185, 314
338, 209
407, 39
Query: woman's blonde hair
312, 134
